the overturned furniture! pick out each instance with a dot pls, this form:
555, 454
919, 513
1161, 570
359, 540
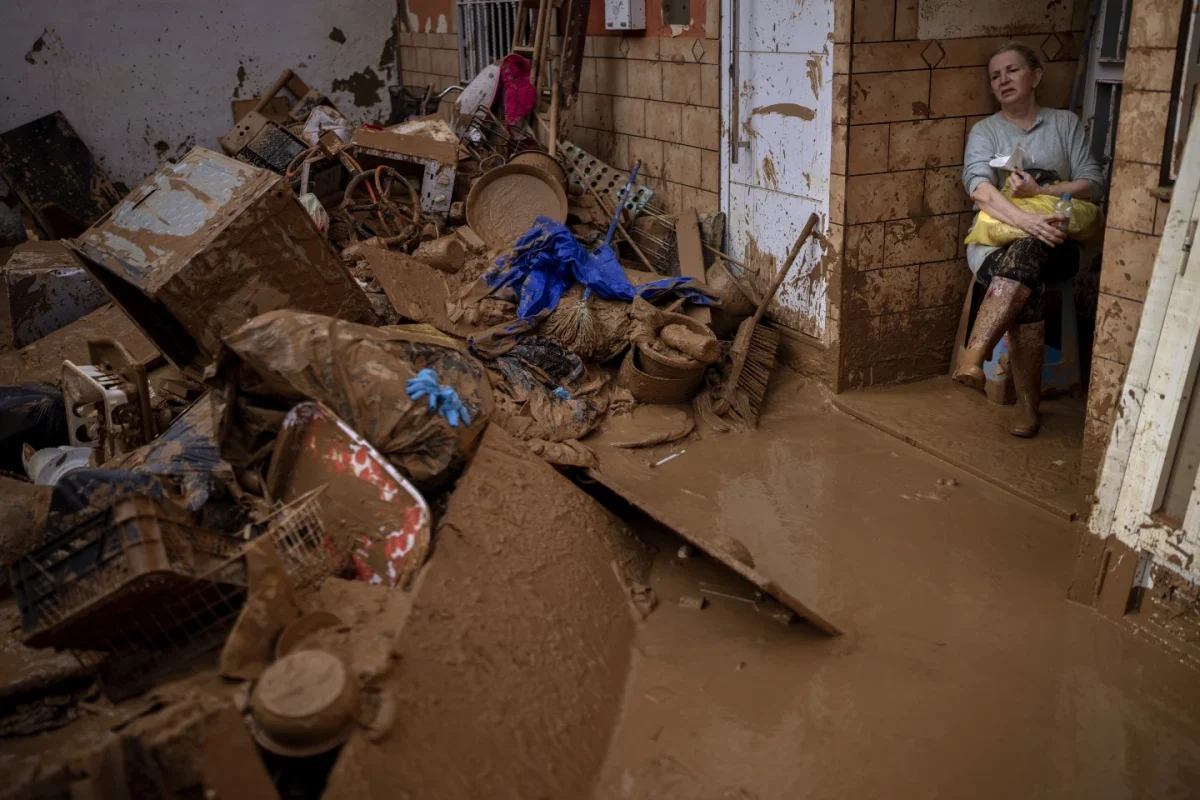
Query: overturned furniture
43, 287
205, 245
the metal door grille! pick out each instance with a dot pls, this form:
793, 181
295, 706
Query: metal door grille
485, 33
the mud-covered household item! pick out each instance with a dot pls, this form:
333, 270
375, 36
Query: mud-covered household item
258, 139
42, 288
293, 635
108, 401
446, 253
701, 346
379, 520
417, 291
426, 150
647, 388
610, 334
270, 606
282, 358
506, 202
208, 243
23, 510
46, 467
30, 414
304, 704
543, 161
56, 176
752, 356
606, 180
691, 258
120, 575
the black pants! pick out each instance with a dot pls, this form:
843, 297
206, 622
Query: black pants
1034, 264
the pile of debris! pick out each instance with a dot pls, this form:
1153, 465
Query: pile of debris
312, 334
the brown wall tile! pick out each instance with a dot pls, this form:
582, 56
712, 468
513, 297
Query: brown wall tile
1149, 70
867, 149
864, 247
965, 221
1143, 127
889, 195
629, 115
681, 164
874, 20
612, 76
616, 145
1155, 23
906, 19
587, 75
959, 92
839, 151
1116, 327
841, 59
642, 47
944, 192
914, 241
1131, 205
679, 51
650, 151
1055, 89
1128, 263
704, 202
710, 170
645, 80
880, 291
663, 120
943, 283
681, 83
702, 127
887, 57
837, 199
595, 111
1104, 388
889, 96
710, 85
931, 143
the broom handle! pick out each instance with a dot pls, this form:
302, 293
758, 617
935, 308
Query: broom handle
738, 363
612, 227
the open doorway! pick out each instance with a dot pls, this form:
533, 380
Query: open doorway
906, 303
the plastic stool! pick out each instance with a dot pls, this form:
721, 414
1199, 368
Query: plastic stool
1061, 371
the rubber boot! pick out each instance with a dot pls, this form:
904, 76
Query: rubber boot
999, 308
1026, 354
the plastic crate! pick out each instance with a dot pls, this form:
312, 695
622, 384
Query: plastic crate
132, 573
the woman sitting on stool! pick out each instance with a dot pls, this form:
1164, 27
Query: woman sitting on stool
1056, 152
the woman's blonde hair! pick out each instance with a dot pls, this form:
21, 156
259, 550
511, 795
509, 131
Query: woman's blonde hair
1025, 51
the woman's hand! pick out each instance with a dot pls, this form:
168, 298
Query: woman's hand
1044, 227
1022, 184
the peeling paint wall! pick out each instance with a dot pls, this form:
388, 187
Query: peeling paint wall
145, 81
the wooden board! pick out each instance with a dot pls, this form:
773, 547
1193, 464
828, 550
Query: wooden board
691, 259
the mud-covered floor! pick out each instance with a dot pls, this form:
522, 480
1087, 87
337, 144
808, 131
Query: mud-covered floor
965, 671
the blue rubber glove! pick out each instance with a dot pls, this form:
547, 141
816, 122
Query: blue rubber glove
443, 399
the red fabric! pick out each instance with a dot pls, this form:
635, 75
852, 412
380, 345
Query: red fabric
519, 94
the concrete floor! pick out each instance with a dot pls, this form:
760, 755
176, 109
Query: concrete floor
964, 672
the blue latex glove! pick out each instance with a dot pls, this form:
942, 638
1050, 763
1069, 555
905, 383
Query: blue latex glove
443, 399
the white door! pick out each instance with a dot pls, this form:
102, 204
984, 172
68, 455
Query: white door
1149, 490
775, 156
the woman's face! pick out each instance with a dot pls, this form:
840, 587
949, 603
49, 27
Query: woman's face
1012, 79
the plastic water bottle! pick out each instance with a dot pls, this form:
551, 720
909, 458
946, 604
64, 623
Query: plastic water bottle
1063, 209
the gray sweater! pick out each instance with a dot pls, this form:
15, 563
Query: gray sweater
1055, 142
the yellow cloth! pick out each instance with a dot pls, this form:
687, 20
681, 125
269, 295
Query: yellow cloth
1086, 221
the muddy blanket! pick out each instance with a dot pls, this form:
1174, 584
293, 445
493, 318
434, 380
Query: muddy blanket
284, 357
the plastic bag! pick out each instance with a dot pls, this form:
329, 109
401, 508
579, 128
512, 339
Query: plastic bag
281, 358
323, 119
1086, 221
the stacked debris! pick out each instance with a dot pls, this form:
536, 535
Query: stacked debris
316, 330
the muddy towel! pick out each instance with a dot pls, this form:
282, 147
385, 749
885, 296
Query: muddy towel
361, 373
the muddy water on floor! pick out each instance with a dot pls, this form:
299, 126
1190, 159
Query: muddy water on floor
965, 672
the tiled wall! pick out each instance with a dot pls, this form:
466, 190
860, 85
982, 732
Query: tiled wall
657, 99
1135, 216
429, 59
911, 104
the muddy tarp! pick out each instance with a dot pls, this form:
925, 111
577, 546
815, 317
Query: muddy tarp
33, 414
282, 358
188, 455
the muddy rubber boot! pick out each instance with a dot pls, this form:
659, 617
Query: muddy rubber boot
999, 308
1026, 354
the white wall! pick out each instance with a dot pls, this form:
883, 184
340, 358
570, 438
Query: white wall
145, 80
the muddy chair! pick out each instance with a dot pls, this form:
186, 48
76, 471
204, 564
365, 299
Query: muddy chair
1061, 373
